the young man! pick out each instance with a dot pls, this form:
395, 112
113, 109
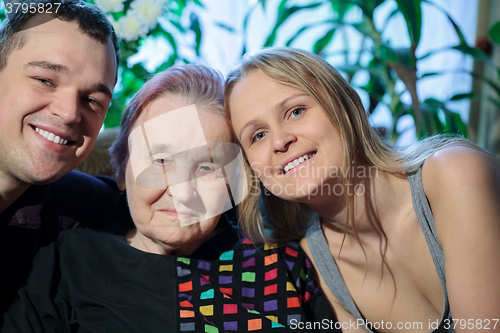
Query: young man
58, 68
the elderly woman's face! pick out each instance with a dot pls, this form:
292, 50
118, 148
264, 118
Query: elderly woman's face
175, 185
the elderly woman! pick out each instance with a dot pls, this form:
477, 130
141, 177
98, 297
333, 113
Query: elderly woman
176, 160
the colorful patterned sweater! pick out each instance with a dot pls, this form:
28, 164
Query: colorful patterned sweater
96, 282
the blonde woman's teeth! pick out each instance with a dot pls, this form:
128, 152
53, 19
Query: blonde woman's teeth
297, 162
51, 136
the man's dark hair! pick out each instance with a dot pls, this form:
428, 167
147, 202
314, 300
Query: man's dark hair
91, 21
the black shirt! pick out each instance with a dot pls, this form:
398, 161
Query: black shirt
37, 217
95, 282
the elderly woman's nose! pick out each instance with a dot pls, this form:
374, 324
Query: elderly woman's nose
183, 192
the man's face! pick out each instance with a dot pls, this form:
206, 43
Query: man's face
54, 94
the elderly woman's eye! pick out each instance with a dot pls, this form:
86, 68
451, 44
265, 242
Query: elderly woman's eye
160, 161
206, 168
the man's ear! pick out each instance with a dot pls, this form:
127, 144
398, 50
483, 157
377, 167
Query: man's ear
120, 180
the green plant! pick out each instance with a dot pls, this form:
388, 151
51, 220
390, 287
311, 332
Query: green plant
167, 25
386, 64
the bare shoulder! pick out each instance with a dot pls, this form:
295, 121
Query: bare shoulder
462, 185
460, 168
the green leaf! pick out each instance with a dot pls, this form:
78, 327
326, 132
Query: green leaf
179, 26
367, 6
400, 110
495, 102
455, 26
245, 27
486, 80
459, 97
176, 6
431, 123
195, 27
225, 26
454, 123
323, 41
199, 3
283, 14
435, 51
412, 12
388, 54
495, 33
365, 29
139, 71
170, 39
304, 28
425, 75
399, 56
341, 7
354, 68
466, 49
114, 114
376, 90
391, 15
475, 53
451, 124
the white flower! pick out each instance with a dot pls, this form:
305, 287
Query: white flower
148, 11
130, 27
110, 6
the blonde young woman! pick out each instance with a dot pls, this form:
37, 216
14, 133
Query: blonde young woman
403, 239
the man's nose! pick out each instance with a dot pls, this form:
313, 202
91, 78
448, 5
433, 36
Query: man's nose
67, 106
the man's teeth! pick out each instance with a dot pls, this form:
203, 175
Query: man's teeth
51, 136
297, 161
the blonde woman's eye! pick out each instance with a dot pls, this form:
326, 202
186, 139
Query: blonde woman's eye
297, 112
160, 161
258, 136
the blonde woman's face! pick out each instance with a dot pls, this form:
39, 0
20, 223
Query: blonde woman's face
289, 141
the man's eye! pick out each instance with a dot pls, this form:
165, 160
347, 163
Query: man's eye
44, 81
92, 101
258, 136
297, 112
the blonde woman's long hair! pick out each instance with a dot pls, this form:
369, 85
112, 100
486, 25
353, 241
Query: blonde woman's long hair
313, 75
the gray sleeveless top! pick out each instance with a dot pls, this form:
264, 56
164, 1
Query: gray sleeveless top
330, 272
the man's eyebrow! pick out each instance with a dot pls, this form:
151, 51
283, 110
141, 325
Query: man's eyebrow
48, 65
100, 87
